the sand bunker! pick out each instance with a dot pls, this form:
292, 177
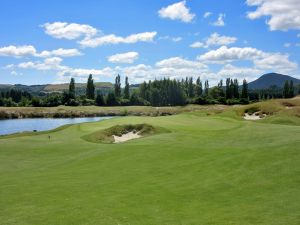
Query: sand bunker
126, 137
254, 116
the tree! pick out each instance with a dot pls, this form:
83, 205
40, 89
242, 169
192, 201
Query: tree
236, 88
90, 88
298, 89
99, 100
228, 89
191, 88
286, 89
118, 86
126, 89
245, 90
198, 87
111, 99
206, 87
291, 89
72, 88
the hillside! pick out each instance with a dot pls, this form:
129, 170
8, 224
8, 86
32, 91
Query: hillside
50, 88
270, 79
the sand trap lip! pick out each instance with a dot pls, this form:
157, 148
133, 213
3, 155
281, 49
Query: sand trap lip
126, 137
254, 116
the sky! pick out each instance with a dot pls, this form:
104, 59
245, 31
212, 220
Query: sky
51, 41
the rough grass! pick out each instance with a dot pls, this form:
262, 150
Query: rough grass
106, 135
88, 111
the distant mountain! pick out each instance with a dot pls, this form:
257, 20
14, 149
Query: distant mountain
105, 87
267, 80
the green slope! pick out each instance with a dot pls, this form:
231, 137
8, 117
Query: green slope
206, 170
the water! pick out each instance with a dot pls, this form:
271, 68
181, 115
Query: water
10, 126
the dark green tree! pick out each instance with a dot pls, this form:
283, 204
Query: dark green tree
111, 99
206, 88
228, 88
199, 87
245, 90
90, 88
286, 89
99, 99
236, 88
72, 88
126, 89
291, 89
118, 86
191, 92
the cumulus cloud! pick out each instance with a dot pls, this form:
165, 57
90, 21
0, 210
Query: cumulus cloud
276, 62
178, 63
69, 31
283, 15
18, 51
128, 57
248, 73
29, 50
220, 21
177, 11
60, 52
53, 63
197, 44
113, 39
262, 61
214, 39
91, 37
225, 54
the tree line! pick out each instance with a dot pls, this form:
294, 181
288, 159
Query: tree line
164, 92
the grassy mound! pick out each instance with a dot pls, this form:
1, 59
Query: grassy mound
106, 135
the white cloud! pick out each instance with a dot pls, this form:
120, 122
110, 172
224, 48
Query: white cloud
298, 35
287, 45
167, 37
69, 31
177, 11
276, 62
220, 21
225, 54
53, 63
29, 50
113, 39
178, 63
128, 57
214, 39
60, 52
207, 14
18, 51
248, 73
197, 44
283, 14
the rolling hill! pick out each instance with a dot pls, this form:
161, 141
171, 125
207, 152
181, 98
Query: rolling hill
52, 88
270, 79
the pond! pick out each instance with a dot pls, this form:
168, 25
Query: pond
10, 126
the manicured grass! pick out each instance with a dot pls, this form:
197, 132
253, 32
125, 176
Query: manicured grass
209, 169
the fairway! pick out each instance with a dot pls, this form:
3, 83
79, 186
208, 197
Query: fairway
214, 169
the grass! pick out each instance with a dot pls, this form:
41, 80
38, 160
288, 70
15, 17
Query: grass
106, 135
209, 169
85, 111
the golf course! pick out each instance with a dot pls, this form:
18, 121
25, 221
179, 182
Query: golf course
202, 167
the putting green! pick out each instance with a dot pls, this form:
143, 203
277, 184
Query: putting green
207, 170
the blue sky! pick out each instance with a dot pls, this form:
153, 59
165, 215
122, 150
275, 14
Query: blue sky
51, 41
